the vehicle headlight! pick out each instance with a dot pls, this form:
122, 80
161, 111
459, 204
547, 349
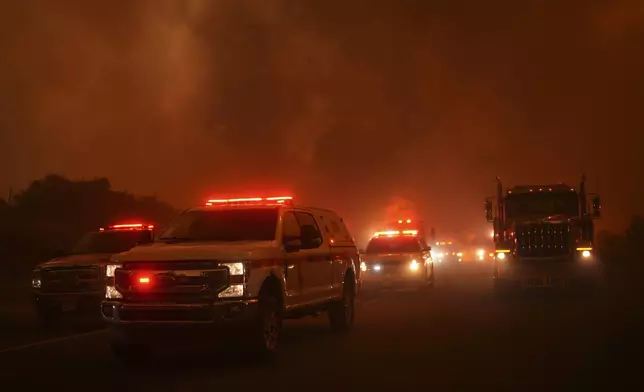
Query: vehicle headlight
414, 265
363, 266
480, 252
585, 254
500, 256
234, 290
110, 269
112, 293
236, 269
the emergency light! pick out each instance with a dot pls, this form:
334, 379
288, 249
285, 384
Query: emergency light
288, 200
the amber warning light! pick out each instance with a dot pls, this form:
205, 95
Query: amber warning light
392, 233
252, 200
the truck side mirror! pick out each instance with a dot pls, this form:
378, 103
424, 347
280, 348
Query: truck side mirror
489, 214
597, 207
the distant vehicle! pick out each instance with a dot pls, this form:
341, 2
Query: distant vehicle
544, 237
234, 266
397, 258
446, 252
72, 284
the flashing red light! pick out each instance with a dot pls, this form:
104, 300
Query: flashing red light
130, 226
249, 200
144, 280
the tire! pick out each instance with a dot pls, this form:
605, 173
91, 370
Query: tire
428, 280
342, 313
130, 354
267, 329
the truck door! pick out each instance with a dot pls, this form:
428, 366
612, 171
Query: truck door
292, 261
317, 265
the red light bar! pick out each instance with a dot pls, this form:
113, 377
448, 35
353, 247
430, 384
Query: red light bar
129, 226
251, 200
144, 280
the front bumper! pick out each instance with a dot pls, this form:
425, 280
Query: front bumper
219, 313
549, 273
86, 304
399, 276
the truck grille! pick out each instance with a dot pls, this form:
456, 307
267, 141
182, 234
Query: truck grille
182, 282
70, 280
543, 240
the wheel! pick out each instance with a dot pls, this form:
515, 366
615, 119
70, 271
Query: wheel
129, 353
342, 313
428, 280
266, 332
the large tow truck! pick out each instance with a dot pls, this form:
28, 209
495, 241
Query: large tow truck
544, 237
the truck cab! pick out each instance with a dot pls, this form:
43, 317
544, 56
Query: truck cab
544, 237
232, 268
72, 284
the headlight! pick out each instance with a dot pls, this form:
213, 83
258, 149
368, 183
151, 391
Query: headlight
234, 290
363, 266
480, 252
110, 268
377, 267
414, 265
500, 256
36, 283
585, 254
236, 269
112, 293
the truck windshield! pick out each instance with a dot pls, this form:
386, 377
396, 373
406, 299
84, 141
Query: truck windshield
110, 241
225, 225
541, 204
393, 245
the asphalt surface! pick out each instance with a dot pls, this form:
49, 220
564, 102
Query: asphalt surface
456, 337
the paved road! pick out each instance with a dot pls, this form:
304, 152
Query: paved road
458, 336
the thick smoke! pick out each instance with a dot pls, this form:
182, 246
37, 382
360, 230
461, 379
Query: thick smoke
347, 104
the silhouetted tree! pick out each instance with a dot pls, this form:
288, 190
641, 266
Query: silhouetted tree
53, 212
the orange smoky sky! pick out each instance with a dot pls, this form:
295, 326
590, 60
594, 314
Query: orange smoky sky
348, 105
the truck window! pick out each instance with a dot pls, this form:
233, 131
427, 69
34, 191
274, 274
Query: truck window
393, 245
225, 225
304, 218
290, 226
110, 241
